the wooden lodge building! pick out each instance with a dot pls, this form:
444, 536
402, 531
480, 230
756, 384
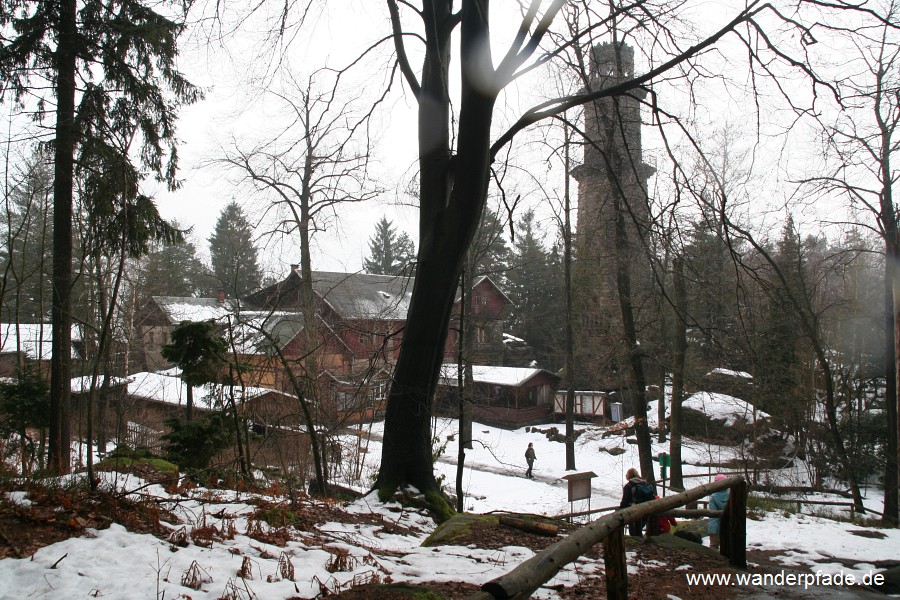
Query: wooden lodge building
356, 337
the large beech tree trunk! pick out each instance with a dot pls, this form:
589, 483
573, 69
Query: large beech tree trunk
450, 209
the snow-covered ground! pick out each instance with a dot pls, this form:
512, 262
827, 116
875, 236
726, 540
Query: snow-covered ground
114, 563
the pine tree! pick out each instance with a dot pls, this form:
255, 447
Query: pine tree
782, 345
234, 257
711, 288
389, 253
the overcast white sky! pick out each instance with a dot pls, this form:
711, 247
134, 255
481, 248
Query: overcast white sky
232, 74
235, 108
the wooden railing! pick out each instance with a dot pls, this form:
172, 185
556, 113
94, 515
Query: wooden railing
522, 581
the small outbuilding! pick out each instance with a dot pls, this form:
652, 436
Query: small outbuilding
510, 397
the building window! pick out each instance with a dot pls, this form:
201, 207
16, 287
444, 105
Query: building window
378, 393
483, 335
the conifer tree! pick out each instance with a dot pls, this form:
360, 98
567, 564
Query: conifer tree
390, 253
199, 351
24, 262
174, 270
118, 58
536, 289
490, 251
234, 257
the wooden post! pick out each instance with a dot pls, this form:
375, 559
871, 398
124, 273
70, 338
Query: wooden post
652, 525
615, 565
725, 528
737, 526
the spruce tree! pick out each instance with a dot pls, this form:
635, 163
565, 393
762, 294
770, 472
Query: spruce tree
490, 251
389, 253
174, 270
535, 287
199, 351
234, 257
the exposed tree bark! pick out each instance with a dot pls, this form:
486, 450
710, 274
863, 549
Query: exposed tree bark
676, 482
462, 389
450, 209
61, 307
891, 354
888, 217
108, 308
637, 380
570, 333
235, 368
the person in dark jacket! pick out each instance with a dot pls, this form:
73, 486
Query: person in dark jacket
629, 497
530, 458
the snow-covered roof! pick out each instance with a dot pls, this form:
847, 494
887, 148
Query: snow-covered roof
730, 373
167, 386
82, 385
248, 325
511, 339
510, 376
34, 339
178, 309
248, 329
722, 407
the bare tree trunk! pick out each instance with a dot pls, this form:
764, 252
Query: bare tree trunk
892, 343
676, 481
462, 389
637, 379
450, 209
61, 312
570, 334
108, 309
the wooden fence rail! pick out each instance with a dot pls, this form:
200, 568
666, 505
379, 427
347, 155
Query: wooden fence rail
522, 581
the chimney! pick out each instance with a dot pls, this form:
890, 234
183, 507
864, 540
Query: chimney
220, 296
295, 267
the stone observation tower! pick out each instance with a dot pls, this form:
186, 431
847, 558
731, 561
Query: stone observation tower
612, 186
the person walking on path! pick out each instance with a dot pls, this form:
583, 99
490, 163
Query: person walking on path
635, 491
717, 501
530, 458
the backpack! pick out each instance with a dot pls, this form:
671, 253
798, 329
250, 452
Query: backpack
643, 492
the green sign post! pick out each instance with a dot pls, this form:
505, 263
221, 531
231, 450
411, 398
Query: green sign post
664, 461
